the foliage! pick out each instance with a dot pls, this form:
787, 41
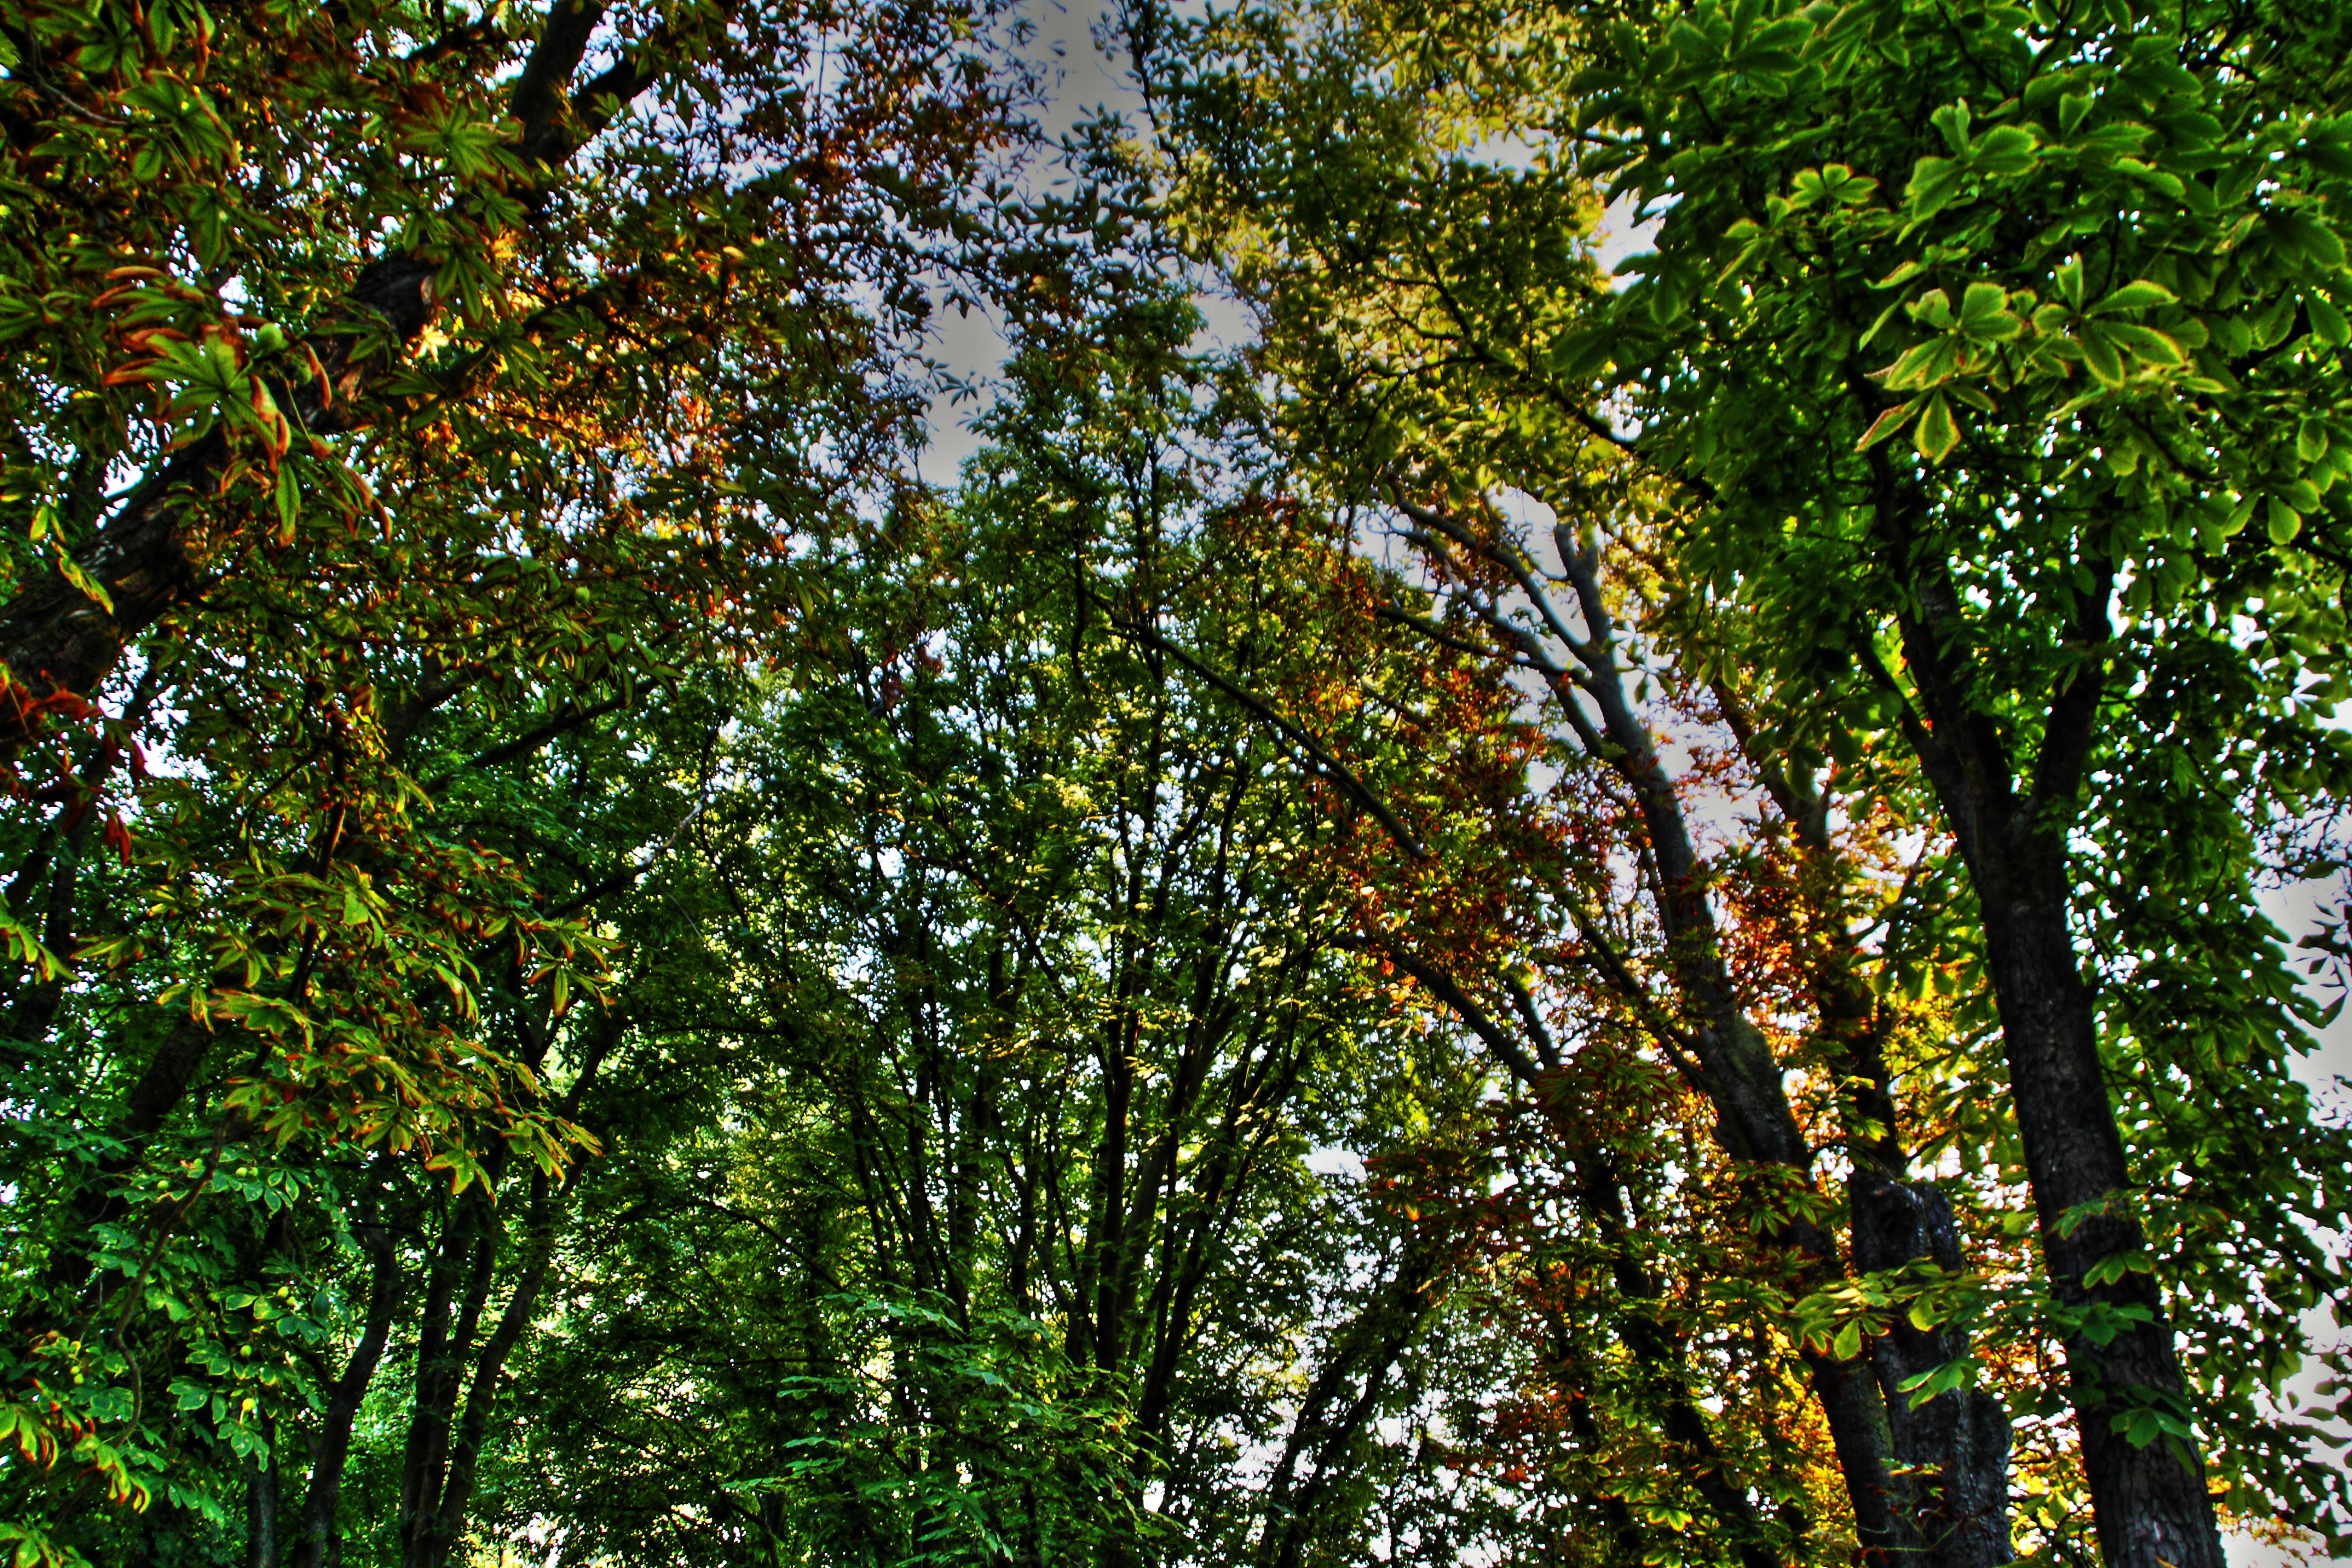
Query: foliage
1544, 917
2084, 260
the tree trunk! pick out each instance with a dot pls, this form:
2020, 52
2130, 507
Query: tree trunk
322, 1543
261, 1498
2151, 1502
1897, 1512
152, 555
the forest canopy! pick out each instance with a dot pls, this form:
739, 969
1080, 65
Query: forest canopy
1604, 823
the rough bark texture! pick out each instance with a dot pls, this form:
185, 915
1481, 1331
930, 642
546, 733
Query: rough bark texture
2152, 1505
1955, 1447
1959, 1442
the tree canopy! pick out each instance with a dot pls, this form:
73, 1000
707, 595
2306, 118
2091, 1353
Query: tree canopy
1656, 875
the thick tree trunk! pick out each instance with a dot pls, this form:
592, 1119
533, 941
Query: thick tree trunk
1953, 1449
1958, 1443
2151, 1502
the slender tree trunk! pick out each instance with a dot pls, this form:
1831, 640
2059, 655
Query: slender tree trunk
152, 555
445, 1340
321, 1545
1656, 1358
261, 1501
1900, 1482
1367, 1351
1955, 1447
481, 1397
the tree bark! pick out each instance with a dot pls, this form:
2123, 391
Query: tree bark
152, 555
1884, 1455
321, 1545
1956, 1445
2152, 1505
261, 1501
1657, 1358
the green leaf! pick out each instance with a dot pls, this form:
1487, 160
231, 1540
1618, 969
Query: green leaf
1888, 421
2308, 237
71, 570
1985, 314
1934, 183
2100, 354
2286, 522
2144, 343
288, 497
2327, 321
2139, 294
2005, 150
1938, 432
2069, 283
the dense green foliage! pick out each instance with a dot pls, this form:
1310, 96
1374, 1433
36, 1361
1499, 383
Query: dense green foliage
1546, 916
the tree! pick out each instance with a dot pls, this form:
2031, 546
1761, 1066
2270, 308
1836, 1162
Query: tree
1007, 1246
1437, 311
392, 380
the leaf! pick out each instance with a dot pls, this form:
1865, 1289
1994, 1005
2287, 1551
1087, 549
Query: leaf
1938, 432
1934, 181
2284, 521
1931, 1384
288, 498
1930, 363
1888, 421
2308, 237
2005, 150
2144, 343
2100, 354
71, 570
2327, 321
2139, 294
1985, 313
